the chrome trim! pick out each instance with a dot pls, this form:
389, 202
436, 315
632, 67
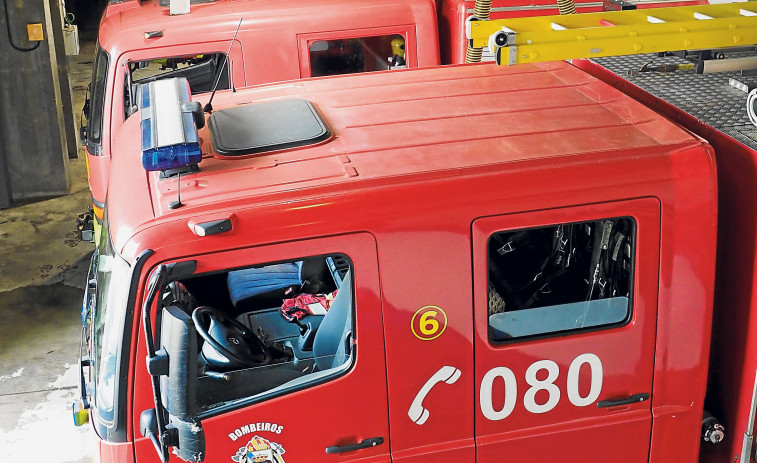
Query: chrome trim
746, 447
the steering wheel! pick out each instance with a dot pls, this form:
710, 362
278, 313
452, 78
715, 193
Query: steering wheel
230, 338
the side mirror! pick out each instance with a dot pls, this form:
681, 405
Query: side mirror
178, 338
83, 131
178, 384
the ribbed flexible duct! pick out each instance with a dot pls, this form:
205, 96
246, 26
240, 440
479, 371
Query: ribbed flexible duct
566, 6
481, 11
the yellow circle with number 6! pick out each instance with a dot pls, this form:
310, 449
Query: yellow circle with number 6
428, 323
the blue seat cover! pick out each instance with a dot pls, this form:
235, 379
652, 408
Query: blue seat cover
263, 281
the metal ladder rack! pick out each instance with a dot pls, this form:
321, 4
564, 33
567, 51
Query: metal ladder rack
614, 33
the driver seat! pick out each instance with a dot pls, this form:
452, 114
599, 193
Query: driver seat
331, 346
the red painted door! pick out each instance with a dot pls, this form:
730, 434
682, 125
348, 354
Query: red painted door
565, 311
326, 402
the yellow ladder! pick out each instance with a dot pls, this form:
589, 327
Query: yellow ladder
613, 33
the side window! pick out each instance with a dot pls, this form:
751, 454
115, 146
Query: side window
265, 330
200, 70
561, 278
361, 54
94, 108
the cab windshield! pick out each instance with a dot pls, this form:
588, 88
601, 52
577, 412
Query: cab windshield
113, 278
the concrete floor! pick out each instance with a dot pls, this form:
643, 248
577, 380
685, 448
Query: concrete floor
43, 268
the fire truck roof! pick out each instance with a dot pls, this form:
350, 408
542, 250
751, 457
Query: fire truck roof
393, 128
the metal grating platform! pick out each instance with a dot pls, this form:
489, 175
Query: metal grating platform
708, 97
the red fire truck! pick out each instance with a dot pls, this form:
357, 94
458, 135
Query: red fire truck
466, 263
265, 41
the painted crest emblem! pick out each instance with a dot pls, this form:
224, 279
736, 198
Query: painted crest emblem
259, 450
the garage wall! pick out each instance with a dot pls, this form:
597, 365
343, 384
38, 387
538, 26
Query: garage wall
34, 143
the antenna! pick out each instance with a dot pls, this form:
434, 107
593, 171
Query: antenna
177, 204
209, 107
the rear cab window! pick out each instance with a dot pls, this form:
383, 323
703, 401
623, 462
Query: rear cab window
562, 278
354, 55
357, 51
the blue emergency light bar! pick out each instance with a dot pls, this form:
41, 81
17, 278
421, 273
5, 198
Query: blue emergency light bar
169, 131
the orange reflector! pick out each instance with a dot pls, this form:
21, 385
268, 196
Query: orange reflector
99, 213
35, 32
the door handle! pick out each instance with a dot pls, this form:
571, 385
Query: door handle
628, 400
364, 444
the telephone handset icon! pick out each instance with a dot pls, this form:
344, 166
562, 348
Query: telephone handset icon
446, 374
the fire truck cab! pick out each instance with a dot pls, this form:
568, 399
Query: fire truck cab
464, 264
264, 41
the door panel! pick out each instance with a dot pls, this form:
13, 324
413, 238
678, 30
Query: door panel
296, 407
426, 297
545, 368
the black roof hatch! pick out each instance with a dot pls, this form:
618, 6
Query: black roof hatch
263, 127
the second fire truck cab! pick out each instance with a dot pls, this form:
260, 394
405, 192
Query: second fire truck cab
461, 264
264, 40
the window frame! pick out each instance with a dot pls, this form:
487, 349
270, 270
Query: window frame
646, 212
358, 247
406, 30
567, 332
119, 73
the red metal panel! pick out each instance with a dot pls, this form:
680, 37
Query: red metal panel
116, 452
619, 434
423, 263
97, 169
731, 367
404, 138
